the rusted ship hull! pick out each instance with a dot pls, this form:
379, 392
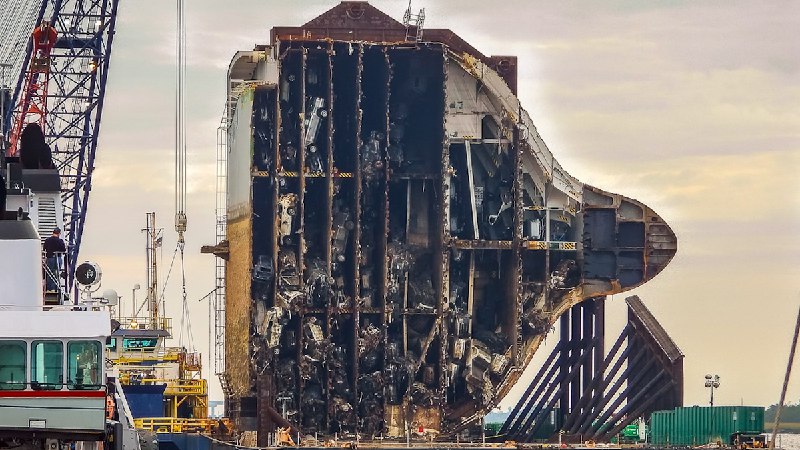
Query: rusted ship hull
400, 238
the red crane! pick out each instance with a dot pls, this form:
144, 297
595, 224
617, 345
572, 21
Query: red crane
32, 106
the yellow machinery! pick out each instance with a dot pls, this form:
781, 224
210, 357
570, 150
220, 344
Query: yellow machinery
164, 385
140, 359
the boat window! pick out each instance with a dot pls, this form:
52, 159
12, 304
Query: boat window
47, 365
132, 344
83, 365
12, 365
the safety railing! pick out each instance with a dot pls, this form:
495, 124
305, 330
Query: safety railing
147, 323
181, 387
174, 387
54, 270
193, 361
145, 354
175, 425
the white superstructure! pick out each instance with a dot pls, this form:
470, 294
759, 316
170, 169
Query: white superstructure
52, 373
21, 264
54, 390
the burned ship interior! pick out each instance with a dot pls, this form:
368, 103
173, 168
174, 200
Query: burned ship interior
401, 239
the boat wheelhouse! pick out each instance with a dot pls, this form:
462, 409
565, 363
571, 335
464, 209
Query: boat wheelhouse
52, 374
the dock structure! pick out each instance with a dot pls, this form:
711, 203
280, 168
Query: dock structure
398, 237
581, 393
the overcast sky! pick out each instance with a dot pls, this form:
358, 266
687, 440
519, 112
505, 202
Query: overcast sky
691, 107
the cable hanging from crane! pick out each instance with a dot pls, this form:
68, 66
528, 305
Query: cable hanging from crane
180, 165
180, 127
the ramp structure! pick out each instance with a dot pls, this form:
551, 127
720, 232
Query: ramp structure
584, 394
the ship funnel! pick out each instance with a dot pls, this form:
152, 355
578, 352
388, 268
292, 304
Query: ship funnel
20, 264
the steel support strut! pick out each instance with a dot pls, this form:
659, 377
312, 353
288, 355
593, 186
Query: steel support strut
589, 382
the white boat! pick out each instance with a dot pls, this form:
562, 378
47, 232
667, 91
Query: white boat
54, 392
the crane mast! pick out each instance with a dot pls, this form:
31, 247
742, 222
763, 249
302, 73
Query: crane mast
32, 107
154, 238
64, 90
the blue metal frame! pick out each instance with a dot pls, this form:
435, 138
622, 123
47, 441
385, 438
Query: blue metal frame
78, 75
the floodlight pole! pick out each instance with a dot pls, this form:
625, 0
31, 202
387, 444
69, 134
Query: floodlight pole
712, 382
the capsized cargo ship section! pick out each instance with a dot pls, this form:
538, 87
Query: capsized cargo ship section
400, 238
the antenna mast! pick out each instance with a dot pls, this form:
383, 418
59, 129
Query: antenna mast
153, 242
414, 24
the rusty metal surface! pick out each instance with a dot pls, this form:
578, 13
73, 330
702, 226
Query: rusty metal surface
645, 319
413, 238
358, 21
238, 306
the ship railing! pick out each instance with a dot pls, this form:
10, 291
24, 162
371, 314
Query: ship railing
175, 425
193, 361
147, 323
55, 270
179, 387
176, 387
66, 307
142, 354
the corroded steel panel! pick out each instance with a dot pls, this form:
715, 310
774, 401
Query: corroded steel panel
238, 304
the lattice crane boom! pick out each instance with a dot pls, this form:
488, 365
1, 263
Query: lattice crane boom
72, 99
32, 106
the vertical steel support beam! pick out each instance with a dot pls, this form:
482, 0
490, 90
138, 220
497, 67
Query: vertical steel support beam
443, 307
589, 332
563, 390
331, 308
600, 332
514, 323
594, 391
357, 219
471, 182
301, 174
580, 344
384, 214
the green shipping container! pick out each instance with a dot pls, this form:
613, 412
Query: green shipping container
493, 428
698, 425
